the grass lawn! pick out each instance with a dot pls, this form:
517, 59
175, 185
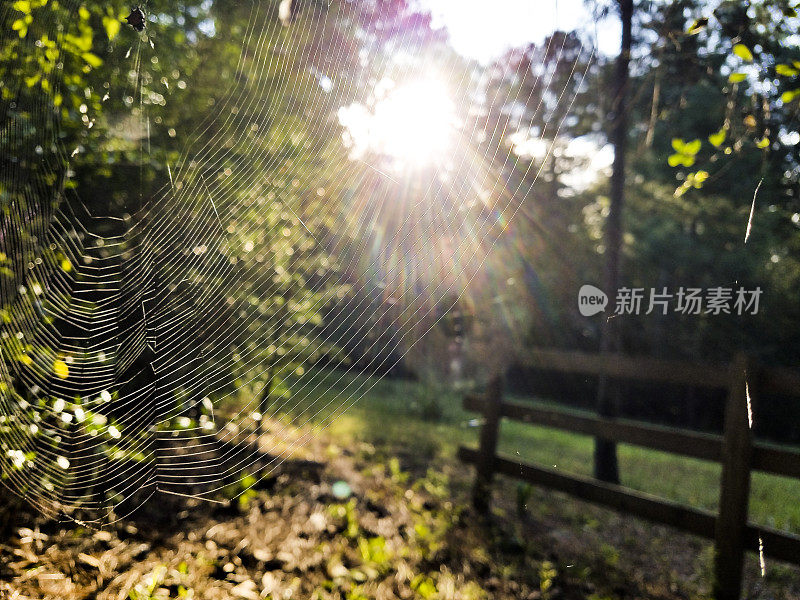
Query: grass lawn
393, 414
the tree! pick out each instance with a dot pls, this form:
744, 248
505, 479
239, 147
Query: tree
203, 171
605, 453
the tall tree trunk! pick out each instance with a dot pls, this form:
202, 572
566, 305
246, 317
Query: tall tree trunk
605, 452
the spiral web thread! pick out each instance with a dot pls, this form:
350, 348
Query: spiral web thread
117, 331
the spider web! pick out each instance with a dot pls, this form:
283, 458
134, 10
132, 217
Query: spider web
145, 342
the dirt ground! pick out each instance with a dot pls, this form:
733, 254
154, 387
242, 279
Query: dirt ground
362, 523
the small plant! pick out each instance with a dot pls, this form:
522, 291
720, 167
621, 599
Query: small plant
157, 584
242, 490
146, 590
610, 555
347, 513
396, 472
524, 492
429, 399
434, 483
374, 552
431, 408
424, 586
547, 574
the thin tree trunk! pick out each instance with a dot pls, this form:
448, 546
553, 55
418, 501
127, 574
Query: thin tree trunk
265, 399
654, 108
605, 453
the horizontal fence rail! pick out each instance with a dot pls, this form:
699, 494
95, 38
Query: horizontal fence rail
735, 450
627, 367
771, 380
768, 458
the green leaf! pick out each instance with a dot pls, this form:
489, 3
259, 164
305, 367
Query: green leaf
762, 143
692, 147
61, 369
112, 26
737, 77
786, 70
20, 27
424, 586
789, 95
92, 59
697, 26
743, 52
675, 159
699, 178
23, 6
678, 144
718, 138
687, 160
82, 43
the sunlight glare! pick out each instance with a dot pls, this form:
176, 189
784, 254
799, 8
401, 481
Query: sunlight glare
414, 122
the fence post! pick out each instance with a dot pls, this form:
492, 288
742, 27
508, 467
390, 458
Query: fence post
734, 485
484, 467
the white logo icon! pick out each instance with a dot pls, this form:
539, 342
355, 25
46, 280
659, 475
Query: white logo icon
591, 300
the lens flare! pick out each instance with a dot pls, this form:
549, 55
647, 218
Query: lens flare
413, 123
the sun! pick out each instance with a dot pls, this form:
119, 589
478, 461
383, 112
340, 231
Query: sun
412, 123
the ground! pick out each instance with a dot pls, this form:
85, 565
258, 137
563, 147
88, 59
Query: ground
371, 508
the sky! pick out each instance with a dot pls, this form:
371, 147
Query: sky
482, 29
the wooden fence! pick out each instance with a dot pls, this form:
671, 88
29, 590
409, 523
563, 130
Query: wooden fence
736, 450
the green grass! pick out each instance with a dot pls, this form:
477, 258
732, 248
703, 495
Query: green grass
391, 416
